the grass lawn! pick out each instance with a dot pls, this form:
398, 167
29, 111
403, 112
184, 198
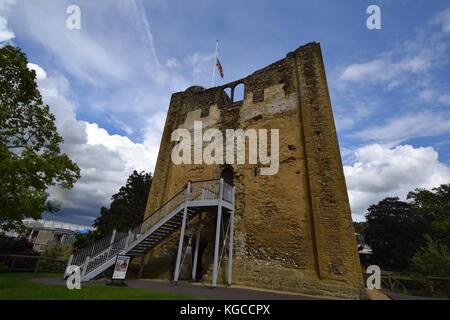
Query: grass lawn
16, 286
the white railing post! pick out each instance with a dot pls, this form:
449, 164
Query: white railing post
217, 242
188, 190
128, 240
230, 246
197, 243
113, 237
85, 265
180, 246
69, 263
180, 242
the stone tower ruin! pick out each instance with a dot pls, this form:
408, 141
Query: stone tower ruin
292, 230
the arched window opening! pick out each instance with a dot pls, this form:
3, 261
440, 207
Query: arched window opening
226, 96
238, 92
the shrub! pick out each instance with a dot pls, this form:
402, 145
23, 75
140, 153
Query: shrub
432, 260
16, 246
55, 252
21, 246
3, 267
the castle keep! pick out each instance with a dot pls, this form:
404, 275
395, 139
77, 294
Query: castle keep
290, 231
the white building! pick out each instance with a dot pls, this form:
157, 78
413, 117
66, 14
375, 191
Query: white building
43, 233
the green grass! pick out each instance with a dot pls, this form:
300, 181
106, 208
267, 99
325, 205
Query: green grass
18, 286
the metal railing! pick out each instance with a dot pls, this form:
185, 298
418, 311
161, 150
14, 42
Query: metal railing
80, 256
204, 190
106, 248
228, 192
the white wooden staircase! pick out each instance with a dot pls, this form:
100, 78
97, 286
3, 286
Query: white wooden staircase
196, 197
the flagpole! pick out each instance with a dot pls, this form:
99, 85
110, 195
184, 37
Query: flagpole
214, 63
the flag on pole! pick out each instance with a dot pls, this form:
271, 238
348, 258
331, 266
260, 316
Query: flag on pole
219, 67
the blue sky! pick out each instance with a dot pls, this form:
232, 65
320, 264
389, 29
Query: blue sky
110, 82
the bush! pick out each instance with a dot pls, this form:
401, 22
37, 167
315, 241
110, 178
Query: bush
16, 246
3, 267
413, 285
432, 260
21, 246
55, 252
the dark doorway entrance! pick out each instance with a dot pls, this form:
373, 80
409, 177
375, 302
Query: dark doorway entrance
228, 174
201, 249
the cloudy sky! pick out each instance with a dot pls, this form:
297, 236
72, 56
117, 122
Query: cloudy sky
109, 83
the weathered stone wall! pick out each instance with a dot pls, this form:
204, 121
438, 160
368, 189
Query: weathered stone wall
293, 230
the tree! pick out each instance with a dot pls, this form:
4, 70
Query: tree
128, 205
30, 155
435, 206
432, 260
360, 227
126, 210
394, 232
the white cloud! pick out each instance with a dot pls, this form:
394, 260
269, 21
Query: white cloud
120, 61
443, 19
387, 69
6, 4
354, 112
5, 33
172, 63
378, 172
102, 52
40, 73
424, 124
432, 95
105, 160
361, 71
134, 155
408, 63
152, 135
199, 61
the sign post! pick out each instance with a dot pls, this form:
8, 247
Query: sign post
120, 271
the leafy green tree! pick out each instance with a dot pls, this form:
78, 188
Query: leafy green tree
30, 155
86, 239
432, 260
360, 227
394, 232
435, 206
125, 212
128, 205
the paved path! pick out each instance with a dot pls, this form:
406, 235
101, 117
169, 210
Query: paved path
186, 288
399, 296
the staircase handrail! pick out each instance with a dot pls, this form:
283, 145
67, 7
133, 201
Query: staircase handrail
102, 253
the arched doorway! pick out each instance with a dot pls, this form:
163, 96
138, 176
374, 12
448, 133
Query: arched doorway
228, 174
